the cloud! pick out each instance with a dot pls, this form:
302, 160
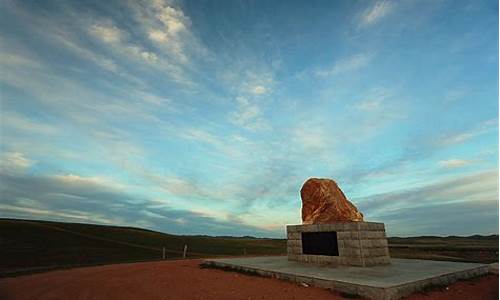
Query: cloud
349, 64
454, 163
107, 33
169, 29
376, 100
17, 60
18, 122
248, 115
374, 14
461, 137
14, 162
76, 198
227, 145
259, 90
464, 199
112, 35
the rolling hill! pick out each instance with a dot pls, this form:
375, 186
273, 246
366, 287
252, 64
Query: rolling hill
29, 246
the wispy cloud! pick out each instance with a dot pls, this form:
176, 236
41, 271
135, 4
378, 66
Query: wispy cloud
454, 163
122, 111
79, 199
13, 162
349, 64
409, 211
112, 35
18, 122
375, 13
461, 137
107, 33
259, 90
248, 115
169, 29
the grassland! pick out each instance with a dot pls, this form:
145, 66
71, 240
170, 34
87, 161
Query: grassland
29, 246
476, 248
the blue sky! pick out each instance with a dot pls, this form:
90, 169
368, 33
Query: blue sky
206, 117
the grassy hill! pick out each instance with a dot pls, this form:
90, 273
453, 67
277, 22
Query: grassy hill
29, 246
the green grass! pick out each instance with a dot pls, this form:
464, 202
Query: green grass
30, 246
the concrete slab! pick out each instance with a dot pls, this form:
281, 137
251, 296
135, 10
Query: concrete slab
401, 278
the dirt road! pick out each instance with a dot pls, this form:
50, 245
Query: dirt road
185, 280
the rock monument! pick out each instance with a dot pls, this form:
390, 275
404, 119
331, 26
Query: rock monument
323, 202
333, 231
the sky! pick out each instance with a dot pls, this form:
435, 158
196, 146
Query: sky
206, 117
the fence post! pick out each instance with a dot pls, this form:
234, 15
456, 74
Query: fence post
163, 252
184, 252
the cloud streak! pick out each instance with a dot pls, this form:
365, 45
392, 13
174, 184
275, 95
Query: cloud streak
345, 65
80, 199
378, 11
406, 209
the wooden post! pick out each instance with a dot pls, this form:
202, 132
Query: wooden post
185, 250
163, 252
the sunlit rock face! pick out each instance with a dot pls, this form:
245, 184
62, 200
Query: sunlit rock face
324, 202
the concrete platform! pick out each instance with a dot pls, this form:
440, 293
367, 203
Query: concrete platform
401, 278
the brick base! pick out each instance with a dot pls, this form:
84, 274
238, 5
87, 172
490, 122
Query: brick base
360, 244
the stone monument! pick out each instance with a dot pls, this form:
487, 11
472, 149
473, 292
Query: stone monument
333, 231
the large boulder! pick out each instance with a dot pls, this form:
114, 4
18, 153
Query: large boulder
324, 202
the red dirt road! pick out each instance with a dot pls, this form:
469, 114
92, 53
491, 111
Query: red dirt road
185, 280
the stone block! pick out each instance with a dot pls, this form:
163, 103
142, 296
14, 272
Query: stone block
366, 244
351, 244
352, 226
294, 235
309, 228
294, 243
352, 252
371, 226
331, 227
379, 243
355, 261
372, 234
374, 252
355, 235
383, 260
293, 228
294, 250
343, 235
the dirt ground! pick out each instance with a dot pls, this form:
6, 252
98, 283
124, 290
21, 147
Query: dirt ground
186, 280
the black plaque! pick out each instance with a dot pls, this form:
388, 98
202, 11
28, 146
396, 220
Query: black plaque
320, 243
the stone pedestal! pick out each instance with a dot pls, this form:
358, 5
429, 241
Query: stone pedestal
361, 244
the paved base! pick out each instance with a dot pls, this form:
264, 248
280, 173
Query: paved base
401, 278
